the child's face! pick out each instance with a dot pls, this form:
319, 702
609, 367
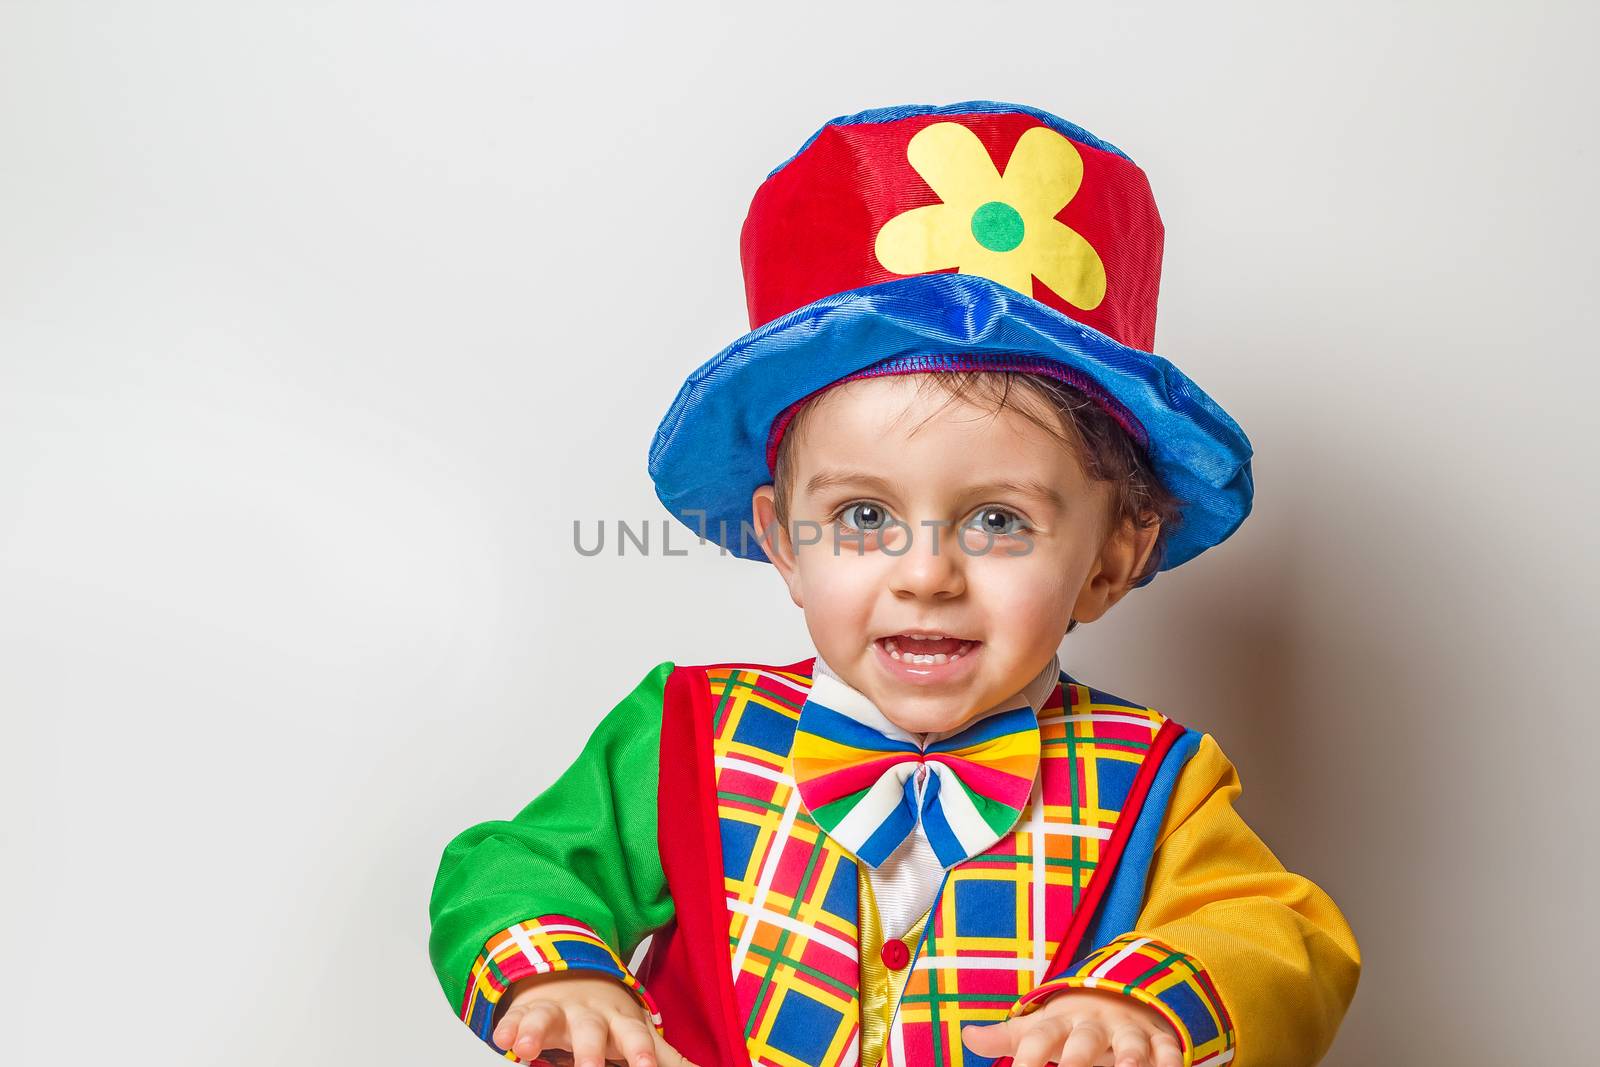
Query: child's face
1001, 541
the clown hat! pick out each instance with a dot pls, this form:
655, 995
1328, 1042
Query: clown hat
971, 236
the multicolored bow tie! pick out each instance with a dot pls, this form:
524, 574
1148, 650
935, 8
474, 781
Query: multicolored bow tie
868, 783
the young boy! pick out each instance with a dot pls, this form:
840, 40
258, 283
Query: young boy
926, 844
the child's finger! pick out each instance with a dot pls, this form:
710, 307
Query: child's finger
1037, 1047
1087, 1041
589, 1034
992, 1039
1130, 1047
635, 1041
669, 1056
505, 1031
1168, 1053
539, 1027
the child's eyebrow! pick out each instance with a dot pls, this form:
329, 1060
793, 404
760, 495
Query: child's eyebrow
1028, 487
829, 479
826, 479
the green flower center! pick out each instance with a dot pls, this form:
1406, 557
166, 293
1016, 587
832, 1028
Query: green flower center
997, 226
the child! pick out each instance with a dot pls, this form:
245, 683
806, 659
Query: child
926, 844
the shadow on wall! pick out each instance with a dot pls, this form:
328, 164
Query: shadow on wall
1309, 648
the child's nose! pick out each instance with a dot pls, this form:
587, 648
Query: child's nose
932, 565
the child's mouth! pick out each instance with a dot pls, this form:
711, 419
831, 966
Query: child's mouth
927, 659
925, 649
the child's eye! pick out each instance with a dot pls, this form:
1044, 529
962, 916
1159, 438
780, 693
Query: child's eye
1000, 522
864, 516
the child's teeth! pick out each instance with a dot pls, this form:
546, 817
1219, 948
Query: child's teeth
891, 645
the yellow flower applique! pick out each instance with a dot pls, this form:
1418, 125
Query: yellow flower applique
1001, 227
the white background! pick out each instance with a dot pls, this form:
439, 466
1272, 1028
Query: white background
320, 323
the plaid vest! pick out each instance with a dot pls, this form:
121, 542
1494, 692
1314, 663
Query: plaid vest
772, 976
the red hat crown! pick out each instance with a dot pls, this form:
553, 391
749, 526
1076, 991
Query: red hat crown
1001, 191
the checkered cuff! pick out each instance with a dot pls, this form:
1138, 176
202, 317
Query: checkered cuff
1162, 978
539, 946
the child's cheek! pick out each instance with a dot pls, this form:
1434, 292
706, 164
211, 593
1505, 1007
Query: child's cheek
1029, 594
841, 590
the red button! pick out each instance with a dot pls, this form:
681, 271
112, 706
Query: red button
895, 955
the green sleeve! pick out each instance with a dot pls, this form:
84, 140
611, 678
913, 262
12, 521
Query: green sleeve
584, 848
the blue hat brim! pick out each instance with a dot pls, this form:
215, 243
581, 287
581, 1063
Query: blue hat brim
710, 451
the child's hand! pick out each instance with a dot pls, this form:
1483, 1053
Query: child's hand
1081, 1028
591, 1015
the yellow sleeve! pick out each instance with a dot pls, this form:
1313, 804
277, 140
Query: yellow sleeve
1253, 966
1276, 947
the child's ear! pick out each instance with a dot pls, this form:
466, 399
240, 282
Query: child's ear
1122, 558
774, 540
